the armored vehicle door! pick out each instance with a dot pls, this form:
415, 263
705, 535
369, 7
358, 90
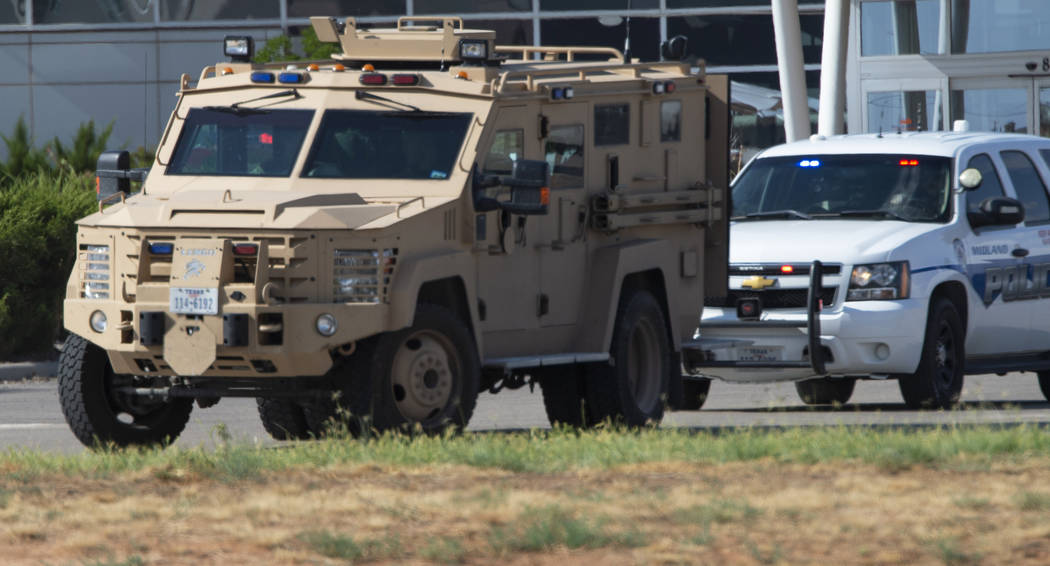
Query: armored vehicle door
505, 244
562, 232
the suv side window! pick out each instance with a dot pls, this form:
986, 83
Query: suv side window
563, 151
1031, 190
991, 186
507, 147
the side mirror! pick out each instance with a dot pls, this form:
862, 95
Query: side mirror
113, 173
529, 189
997, 211
970, 179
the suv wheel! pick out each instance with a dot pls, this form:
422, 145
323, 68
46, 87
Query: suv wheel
938, 381
100, 414
825, 390
633, 388
1044, 383
694, 392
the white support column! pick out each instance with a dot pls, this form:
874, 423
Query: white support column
788, 35
833, 68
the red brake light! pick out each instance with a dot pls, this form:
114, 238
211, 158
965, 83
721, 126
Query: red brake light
406, 80
245, 249
373, 79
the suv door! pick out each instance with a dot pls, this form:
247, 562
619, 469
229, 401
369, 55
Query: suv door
1028, 178
999, 322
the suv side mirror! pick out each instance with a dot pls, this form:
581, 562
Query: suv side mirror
970, 179
997, 211
529, 188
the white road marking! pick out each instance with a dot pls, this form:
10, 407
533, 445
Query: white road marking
29, 426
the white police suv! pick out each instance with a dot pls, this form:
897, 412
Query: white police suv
915, 256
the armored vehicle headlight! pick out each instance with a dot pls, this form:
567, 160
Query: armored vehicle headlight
327, 325
98, 321
94, 275
473, 49
876, 281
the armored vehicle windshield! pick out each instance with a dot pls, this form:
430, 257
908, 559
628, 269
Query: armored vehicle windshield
362, 144
234, 141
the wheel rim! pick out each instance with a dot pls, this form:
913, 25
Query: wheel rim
644, 364
944, 356
424, 375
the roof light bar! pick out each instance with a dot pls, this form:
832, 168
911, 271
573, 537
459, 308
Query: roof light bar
908, 162
373, 79
292, 78
809, 163
262, 77
405, 79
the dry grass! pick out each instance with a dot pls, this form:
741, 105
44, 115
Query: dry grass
758, 512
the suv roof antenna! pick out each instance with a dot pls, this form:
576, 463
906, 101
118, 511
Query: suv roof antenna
627, 36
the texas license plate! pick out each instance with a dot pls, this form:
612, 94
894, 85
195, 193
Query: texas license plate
760, 354
191, 300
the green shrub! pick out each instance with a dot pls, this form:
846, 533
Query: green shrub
22, 157
280, 48
82, 156
37, 241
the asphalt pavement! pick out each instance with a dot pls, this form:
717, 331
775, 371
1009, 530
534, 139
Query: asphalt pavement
30, 416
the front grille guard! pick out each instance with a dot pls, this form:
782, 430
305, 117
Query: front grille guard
696, 354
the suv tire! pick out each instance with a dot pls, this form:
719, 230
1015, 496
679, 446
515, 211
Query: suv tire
825, 390
938, 381
694, 392
99, 415
632, 388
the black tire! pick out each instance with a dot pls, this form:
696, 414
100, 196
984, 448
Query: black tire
100, 416
284, 419
1044, 383
632, 389
564, 396
826, 390
694, 393
423, 378
938, 381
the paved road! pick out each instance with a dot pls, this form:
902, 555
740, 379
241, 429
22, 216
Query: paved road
30, 416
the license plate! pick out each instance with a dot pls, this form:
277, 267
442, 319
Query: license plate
760, 354
191, 300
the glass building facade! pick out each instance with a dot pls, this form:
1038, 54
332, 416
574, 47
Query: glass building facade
63, 62
922, 64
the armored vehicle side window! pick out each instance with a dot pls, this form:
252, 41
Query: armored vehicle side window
224, 140
1031, 190
360, 144
671, 120
991, 186
612, 124
563, 151
507, 147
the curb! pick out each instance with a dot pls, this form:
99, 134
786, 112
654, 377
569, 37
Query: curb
18, 371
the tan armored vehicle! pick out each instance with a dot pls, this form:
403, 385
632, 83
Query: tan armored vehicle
424, 216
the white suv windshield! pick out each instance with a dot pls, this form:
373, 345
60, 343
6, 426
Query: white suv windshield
896, 187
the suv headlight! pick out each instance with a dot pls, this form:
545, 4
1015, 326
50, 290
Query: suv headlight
878, 281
